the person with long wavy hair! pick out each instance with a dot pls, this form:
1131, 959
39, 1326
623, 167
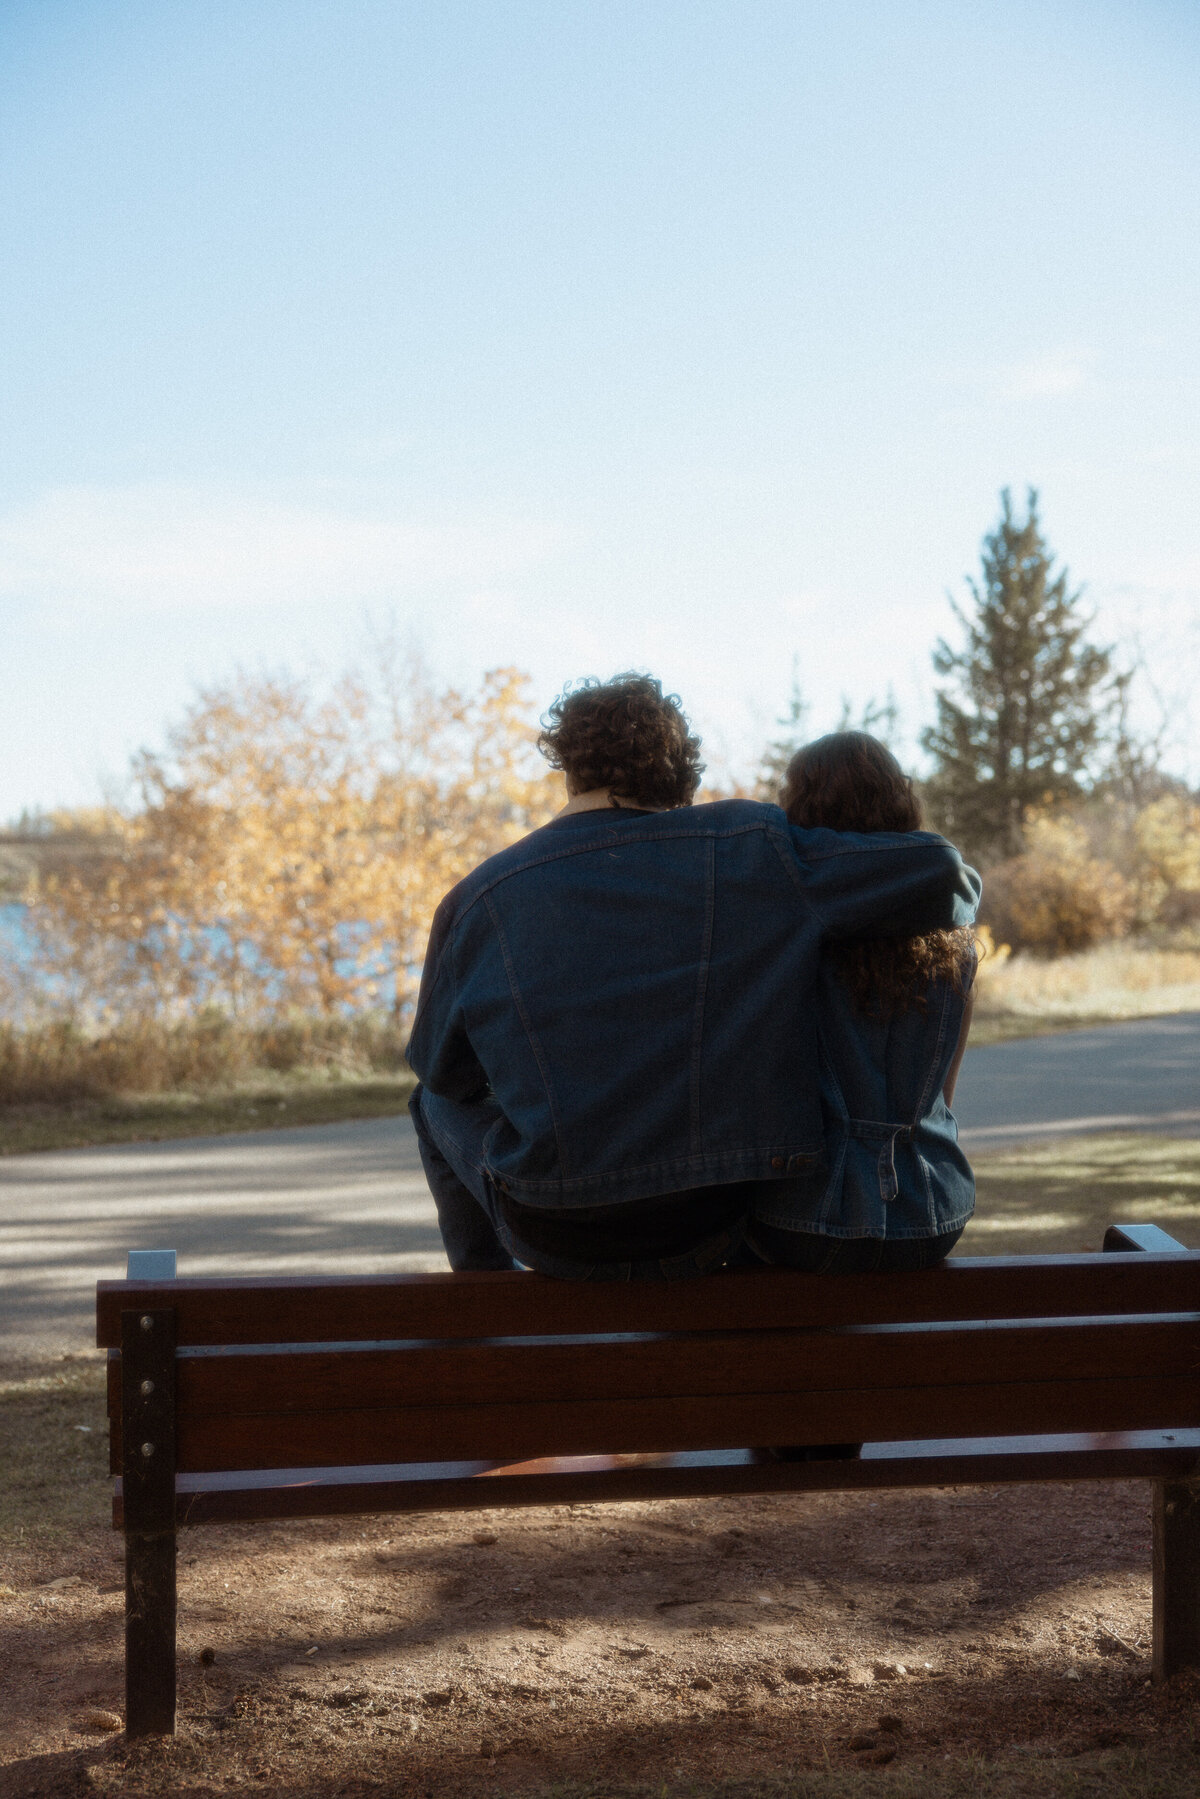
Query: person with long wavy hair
893, 1018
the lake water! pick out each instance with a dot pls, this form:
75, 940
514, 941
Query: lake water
16, 943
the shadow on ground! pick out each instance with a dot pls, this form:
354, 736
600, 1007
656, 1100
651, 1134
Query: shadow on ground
1052, 1198
729, 1639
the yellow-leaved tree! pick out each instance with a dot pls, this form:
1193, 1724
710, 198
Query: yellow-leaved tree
290, 846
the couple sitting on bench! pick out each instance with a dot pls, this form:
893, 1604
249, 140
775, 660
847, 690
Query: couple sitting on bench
655, 1038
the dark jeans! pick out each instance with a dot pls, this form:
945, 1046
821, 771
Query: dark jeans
477, 1236
841, 1255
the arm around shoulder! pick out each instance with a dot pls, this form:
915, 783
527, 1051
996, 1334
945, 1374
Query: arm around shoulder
886, 885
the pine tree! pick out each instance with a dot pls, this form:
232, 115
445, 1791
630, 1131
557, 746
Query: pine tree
878, 718
1021, 718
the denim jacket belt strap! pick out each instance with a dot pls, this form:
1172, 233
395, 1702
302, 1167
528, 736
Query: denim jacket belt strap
870, 1130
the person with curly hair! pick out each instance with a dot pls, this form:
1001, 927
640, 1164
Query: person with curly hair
622, 743
615, 1038
892, 1020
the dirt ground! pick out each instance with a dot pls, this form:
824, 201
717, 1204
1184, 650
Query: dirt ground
664, 1645
729, 1649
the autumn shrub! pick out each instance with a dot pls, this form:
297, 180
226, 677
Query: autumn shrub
1057, 898
1165, 861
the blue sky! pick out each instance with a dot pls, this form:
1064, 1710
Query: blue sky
688, 336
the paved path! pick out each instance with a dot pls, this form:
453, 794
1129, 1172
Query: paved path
1141, 1076
351, 1198
326, 1199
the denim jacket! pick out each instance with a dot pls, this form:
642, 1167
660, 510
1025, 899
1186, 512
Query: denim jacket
638, 991
894, 1165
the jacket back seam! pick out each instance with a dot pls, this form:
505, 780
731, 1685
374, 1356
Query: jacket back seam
706, 936
793, 875
927, 1095
531, 1034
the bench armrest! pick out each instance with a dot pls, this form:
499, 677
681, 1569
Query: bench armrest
150, 1265
1149, 1237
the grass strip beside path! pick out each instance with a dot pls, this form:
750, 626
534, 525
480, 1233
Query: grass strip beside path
154, 1117
53, 1451
988, 1028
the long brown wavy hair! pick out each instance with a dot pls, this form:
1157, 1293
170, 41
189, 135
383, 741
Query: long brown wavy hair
849, 781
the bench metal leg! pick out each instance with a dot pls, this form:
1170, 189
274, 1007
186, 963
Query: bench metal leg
148, 1487
1176, 1512
149, 1633
1176, 1577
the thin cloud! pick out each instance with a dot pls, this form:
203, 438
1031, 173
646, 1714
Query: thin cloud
1048, 375
168, 550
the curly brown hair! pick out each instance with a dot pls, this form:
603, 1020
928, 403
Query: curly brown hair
849, 781
625, 736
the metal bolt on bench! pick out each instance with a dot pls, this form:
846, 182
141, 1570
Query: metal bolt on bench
296, 1398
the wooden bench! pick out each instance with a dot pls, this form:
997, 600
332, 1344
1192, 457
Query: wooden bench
304, 1398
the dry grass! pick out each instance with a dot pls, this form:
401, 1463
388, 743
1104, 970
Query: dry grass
1113, 981
61, 1088
57, 1063
259, 1105
53, 1448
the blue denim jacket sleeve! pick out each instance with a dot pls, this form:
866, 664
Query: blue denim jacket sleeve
443, 1056
888, 884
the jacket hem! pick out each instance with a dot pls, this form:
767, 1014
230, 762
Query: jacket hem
815, 1228
650, 1180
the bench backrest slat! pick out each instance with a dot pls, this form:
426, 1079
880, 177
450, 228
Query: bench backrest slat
722, 1363
542, 1428
210, 1312
445, 1402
